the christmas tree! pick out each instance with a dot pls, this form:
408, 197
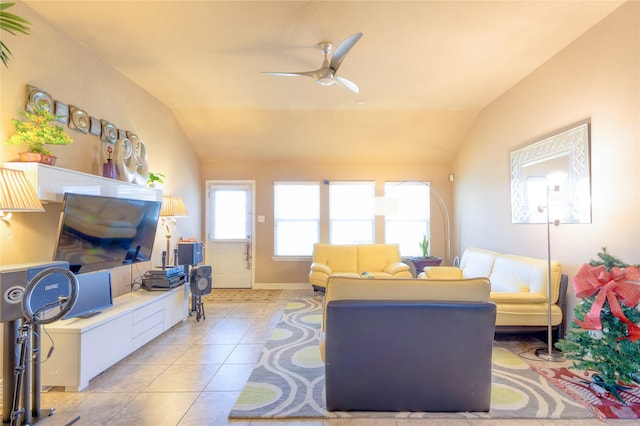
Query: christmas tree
604, 337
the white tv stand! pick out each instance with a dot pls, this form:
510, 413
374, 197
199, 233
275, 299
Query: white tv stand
85, 347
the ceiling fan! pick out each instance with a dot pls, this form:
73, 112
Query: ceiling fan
327, 74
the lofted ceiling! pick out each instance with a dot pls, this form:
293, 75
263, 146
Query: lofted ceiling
424, 68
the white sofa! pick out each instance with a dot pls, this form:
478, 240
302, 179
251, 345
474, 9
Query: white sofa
518, 288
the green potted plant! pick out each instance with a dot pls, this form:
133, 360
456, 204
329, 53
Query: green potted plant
426, 259
37, 131
155, 178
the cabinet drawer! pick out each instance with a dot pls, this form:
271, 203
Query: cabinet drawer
148, 323
146, 311
146, 336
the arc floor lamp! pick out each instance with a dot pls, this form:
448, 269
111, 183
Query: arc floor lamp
384, 207
548, 353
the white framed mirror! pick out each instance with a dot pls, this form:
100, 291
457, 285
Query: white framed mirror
565, 153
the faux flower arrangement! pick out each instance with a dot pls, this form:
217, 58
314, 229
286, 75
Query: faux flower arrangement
38, 131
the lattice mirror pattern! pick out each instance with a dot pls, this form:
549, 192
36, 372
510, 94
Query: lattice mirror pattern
566, 153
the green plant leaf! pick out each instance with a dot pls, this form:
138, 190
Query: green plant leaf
12, 24
4, 50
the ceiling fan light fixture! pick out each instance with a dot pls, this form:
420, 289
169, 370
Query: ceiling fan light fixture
326, 80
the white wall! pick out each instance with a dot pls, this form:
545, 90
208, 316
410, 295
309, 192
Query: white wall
596, 77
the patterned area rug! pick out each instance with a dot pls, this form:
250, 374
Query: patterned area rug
219, 295
604, 404
288, 381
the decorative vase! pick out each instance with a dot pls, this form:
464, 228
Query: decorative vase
36, 157
109, 169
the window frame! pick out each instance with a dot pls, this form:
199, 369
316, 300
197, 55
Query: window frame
369, 207
278, 220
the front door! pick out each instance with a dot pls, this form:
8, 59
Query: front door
229, 247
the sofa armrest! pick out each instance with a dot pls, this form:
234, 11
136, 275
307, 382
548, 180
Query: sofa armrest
321, 267
394, 268
442, 273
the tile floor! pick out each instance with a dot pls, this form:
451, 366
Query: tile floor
193, 374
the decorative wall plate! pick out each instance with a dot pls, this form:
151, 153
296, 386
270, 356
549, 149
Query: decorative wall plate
132, 137
142, 170
78, 119
109, 132
96, 127
38, 99
125, 160
62, 112
130, 153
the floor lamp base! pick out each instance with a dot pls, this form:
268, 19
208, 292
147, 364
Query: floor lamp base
553, 356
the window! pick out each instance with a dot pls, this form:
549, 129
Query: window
409, 216
296, 218
351, 217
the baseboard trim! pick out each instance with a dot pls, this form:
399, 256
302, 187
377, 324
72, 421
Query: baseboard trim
282, 286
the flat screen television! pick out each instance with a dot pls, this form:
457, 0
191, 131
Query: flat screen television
94, 295
97, 232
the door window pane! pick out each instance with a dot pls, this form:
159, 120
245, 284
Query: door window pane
296, 218
229, 214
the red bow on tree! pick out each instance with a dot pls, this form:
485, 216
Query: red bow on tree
615, 286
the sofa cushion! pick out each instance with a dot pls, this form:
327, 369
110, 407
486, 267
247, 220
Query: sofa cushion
476, 262
375, 257
526, 314
339, 258
524, 275
515, 298
442, 273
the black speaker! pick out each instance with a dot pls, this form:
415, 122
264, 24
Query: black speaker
200, 280
190, 253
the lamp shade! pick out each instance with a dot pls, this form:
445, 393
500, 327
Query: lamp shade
173, 207
16, 193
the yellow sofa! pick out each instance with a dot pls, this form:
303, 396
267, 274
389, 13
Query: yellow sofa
355, 260
518, 288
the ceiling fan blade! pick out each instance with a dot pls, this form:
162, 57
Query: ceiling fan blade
284, 74
314, 74
343, 82
342, 50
